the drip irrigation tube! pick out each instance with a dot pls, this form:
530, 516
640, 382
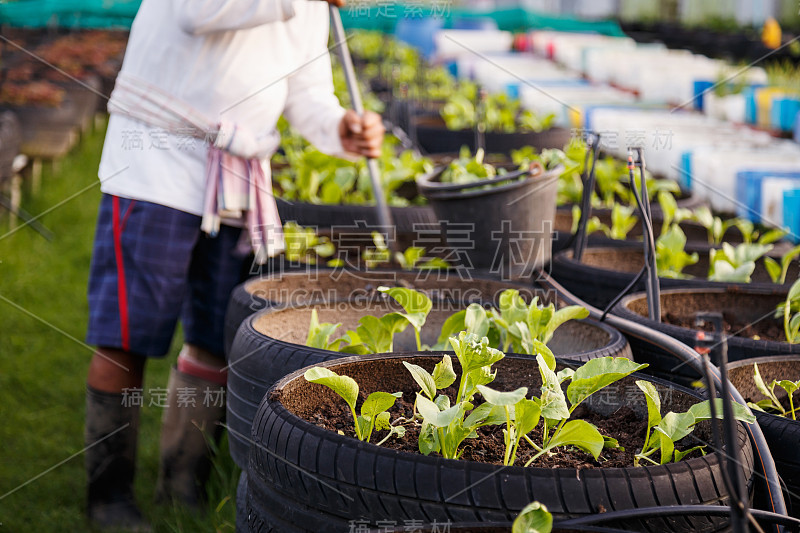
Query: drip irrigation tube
695, 360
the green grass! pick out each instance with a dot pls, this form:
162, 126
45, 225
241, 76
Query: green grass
43, 372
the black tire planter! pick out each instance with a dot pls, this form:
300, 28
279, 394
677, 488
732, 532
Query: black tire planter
695, 233
358, 221
516, 213
744, 304
315, 285
305, 478
10, 142
782, 434
241, 504
263, 352
433, 137
327, 216
606, 270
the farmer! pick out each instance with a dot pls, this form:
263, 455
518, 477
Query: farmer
186, 196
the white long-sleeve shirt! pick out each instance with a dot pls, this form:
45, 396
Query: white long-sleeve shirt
244, 61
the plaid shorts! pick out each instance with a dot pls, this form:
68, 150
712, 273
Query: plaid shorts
151, 266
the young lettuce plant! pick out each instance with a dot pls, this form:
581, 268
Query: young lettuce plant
411, 258
416, 304
534, 518
473, 320
790, 311
663, 432
585, 381
778, 271
374, 410
319, 335
522, 415
520, 324
671, 256
735, 264
376, 335
772, 403
445, 426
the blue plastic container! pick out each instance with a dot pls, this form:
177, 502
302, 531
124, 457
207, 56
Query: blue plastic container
685, 174
700, 88
476, 23
419, 32
750, 189
797, 128
784, 113
791, 213
512, 88
750, 107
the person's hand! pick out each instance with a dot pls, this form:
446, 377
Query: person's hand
362, 135
241, 142
337, 3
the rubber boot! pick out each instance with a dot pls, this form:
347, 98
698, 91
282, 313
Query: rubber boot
190, 422
112, 430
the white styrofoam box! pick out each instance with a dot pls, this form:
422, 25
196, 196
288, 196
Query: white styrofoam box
714, 169
562, 100
672, 78
665, 135
496, 71
599, 61
772, 190
568, 47
730, 107
451, 44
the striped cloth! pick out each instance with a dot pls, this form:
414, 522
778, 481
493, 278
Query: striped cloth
237, 189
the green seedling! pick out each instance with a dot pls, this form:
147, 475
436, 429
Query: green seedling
303, 245
374, 410
534, 518
416, 304
319, 334
663, 432
778, 271
789, 309
671, 256
735, 264
523, 327
445, 426
772, 404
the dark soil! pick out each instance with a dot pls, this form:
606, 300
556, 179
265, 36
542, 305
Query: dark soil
769, 329
623, 425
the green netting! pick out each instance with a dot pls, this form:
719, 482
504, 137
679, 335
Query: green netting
519, 19
385, 17
358, 14
69, 13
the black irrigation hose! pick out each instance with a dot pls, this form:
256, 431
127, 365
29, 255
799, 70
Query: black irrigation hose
579, 237
622, 293
650, 512
694, 360
643, 202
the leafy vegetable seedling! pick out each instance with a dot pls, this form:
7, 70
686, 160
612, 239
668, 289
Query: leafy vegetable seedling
790, 311
416, 304
534, 518
671, 256
374, 410
777, 271
772, 404
664, 432
735, 264
444, 427
524, 327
